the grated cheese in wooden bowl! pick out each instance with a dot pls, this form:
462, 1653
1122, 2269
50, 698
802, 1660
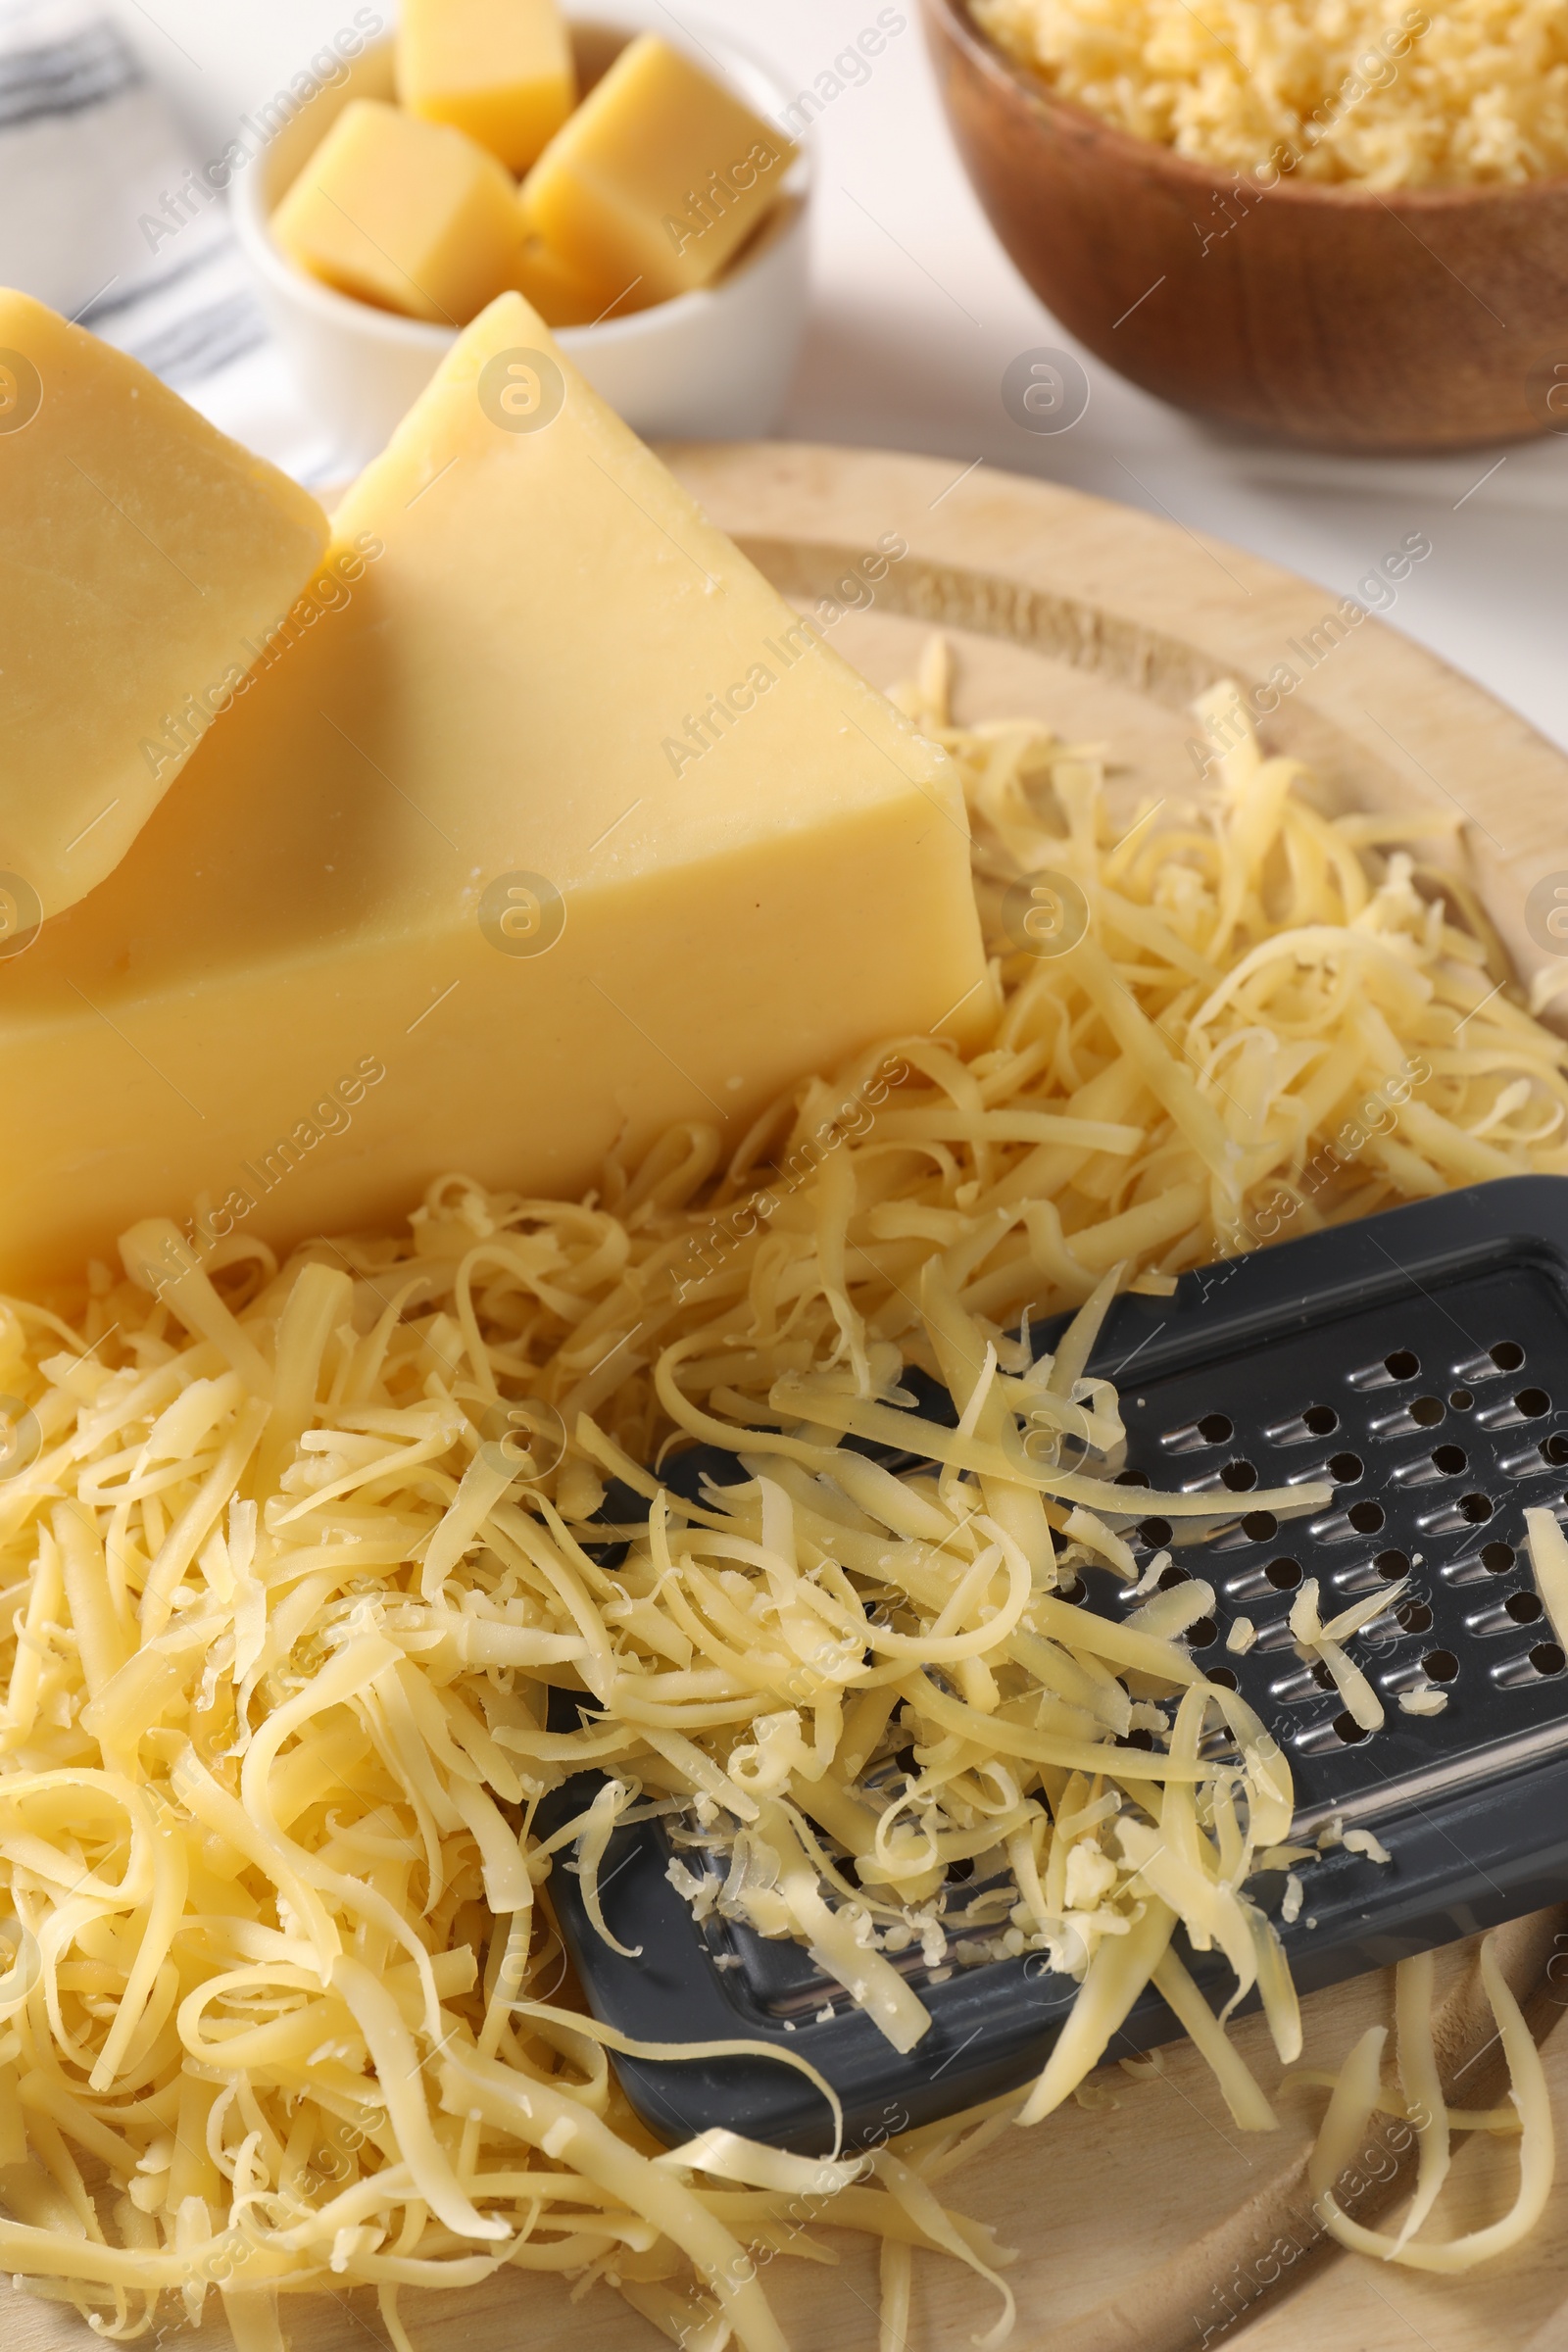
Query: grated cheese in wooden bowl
1470, 94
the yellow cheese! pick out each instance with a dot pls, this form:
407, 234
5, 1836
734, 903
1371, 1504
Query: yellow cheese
408, 214
563, 828
500, 69
560, 292
659, 177
143, 557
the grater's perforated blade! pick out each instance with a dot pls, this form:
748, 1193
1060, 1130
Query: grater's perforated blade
1419, 1362
1435, 1444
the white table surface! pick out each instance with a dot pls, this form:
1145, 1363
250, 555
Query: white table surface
918, 313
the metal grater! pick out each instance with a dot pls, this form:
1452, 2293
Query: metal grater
1418, 1360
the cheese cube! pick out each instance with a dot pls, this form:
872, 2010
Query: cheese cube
409, 215
500, 69
563, 829
143, 555
659, 175
558, 291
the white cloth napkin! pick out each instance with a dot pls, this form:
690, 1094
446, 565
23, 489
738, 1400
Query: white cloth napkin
90, 157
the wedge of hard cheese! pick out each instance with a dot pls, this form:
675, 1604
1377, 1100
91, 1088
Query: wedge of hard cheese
144, 558
564, 829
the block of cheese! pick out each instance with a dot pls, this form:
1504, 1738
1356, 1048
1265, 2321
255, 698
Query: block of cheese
500, 69
408, 214
563, 829
558, 290
659, 175
143, 559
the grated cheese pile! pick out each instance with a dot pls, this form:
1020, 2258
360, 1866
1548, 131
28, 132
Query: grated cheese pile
1474, 92
292, 1556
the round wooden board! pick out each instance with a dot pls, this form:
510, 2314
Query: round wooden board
1143, 2220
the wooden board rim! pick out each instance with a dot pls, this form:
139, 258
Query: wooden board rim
1168, 612
1171, 612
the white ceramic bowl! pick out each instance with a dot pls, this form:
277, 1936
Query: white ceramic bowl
711, 366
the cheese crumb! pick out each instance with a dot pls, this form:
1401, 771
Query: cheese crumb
1148, 1581
1095, 2097
1240, 1637
1427, 1700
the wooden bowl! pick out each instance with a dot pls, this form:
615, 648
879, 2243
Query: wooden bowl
1330, 315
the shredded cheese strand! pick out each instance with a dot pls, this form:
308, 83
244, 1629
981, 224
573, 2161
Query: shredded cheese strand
1356, 2095
285, 1629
